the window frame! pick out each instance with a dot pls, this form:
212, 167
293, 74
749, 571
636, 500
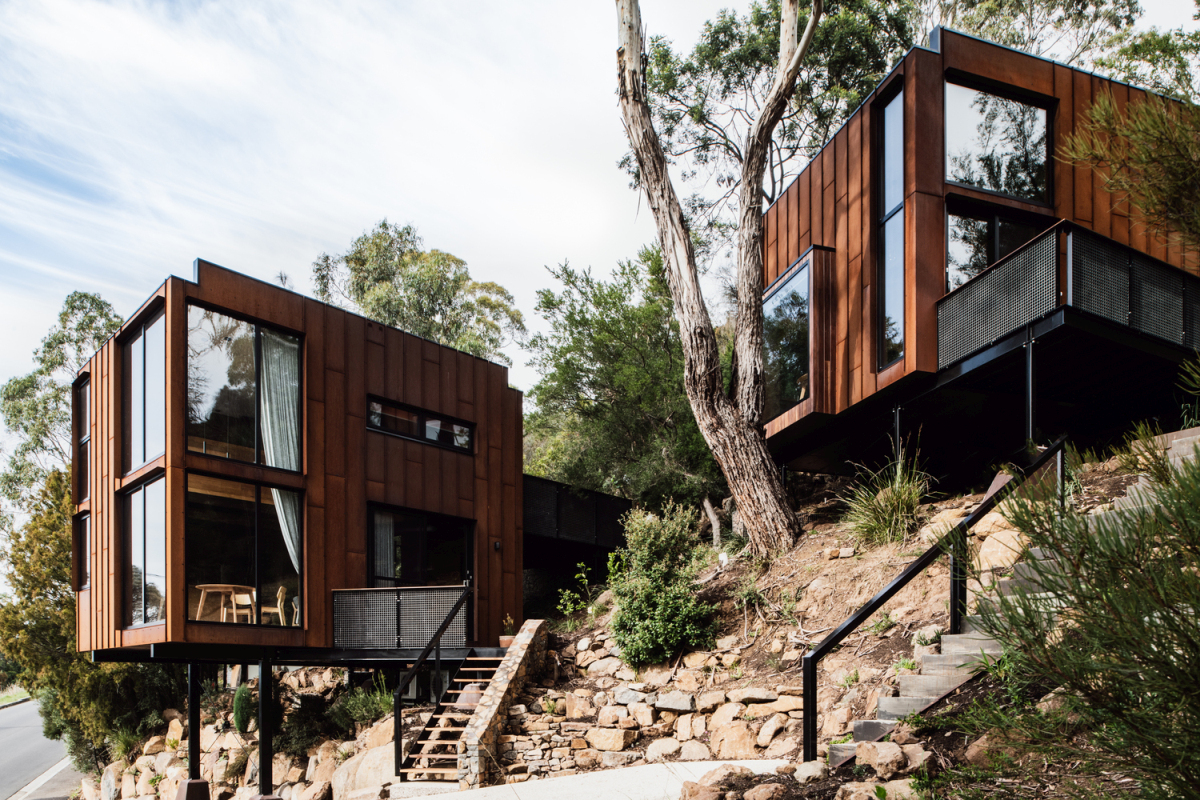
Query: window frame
883, 217
82, 537
135, 335
470, 530
126, 519
82, 429
992, 214
1004, 92
300, 388
258, 504
804, 262
422, 416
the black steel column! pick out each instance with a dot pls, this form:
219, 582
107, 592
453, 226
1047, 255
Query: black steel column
265, 756
1030, 390
398, 726
899, 451
958, 580
193, 721
808, 672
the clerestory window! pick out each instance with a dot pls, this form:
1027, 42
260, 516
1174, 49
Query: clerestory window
997, 144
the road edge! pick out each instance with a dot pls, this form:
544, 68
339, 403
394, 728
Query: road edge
16, 702
37, 782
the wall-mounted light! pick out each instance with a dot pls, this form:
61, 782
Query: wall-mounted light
496, 546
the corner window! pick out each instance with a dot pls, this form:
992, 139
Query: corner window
996, 144
243, 548
243, 392
421, 426
412, 548
891, 240
146, 528
975, 240
145, 404
786, 341
83, 439
83, 550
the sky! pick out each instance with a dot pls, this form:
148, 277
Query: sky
136, 136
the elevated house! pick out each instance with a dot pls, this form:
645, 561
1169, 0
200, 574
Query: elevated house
941, 274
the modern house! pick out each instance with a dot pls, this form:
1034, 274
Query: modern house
940, 271
256, 471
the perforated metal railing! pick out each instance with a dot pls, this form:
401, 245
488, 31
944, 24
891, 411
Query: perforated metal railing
1103, 277
405, 618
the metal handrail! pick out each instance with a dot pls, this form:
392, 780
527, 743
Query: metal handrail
434, 646
952, 543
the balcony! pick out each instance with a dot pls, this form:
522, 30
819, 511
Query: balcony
1069, 266
397, 618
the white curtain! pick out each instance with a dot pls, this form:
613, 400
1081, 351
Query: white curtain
385, 560
279, 382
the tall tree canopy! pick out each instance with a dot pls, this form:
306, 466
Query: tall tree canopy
385, 275
611, 411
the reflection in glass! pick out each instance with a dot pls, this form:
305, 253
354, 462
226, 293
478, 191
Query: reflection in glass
394, 420
975, 242
220, 390
995, 143
893, 153
411, 548
785, 344
156, 388
419, 425
892, 301
146, 516
83, 416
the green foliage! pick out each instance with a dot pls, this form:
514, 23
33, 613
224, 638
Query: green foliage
243, 708
612, 414
748, 595
307, 726
882, 505
906, 663
1162, 61
386, 276
658, 612
850, 679
80, 702
123, 742
1145, 454
237, 764
571, 601
362, 706
883, 624
1126, 645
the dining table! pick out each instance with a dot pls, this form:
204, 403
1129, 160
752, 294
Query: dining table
223, 591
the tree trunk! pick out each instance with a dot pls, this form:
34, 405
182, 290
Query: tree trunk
729, 426
714, 520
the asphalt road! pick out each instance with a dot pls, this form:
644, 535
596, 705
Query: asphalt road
25, 754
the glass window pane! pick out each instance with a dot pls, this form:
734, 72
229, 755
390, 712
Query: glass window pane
1012, 234
137, 397
83, 400
280, 549
156, 389
385, 554
893, 153
786, 345
219, 550
415, 549
279, 394
892, 305
136, 514
395, 420
155, 570
81, 470
995, 143
444, 432
85, 552
968, 249
220, 390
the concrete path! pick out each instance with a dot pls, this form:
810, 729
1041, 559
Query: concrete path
648, 782
26, 755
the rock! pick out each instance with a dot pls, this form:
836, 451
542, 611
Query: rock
1002, 549
902, 734
781, 748
699, 726
381, 733
681, 702
846, 552
689, 680
605, 666
587, 758
752, 695
832, 553
695, 791
110, 780
657, 675
683, 727
728, 642
89, 789
725, 715
144, 787
165, 760
984, 749
578, 707
733, 742
154, 746
625, 673
695, 659
628, 723
886, 758
916, 756
584, 644
611, 760
624, 696
766, 791
857, 790
708, 702
659, 749
611, 715
809, 771
792, 655
722, 773
771, 729
175, 731
128, 786
643, 713
170, 714
781, 706
920, 651
691, 751
610, 739
585, 659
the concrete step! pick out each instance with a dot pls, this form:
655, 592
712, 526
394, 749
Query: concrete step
970, 643
840, 752
930, 685
972, 624
1009, 586
952, 665
868, 730
1029, 570
900, 707
1045, 602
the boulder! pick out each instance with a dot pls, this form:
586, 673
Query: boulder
657, 675
766, 791
610, 715
175, 731
128, 786
643, 713
709, 702
725, 715
689, 680
809, 771
993, 522
380, 734
321, 790
587, 758
170, 714
886, 758
165, 760
782, 747
722, 773
983, 750
608, 739
752, 695
89, 789
699, 726
695, 659
683, 727
326, 765
624, 696
771, 729
143, 786
154, 746
578, 707
696, 791
858, 790
728, 642
110, 780
659, 749
612, 760
781, 706
916, 757
605, 666
369, 769
1002, 549
733, 742
681, 702
586, 659
691, 751
584, 644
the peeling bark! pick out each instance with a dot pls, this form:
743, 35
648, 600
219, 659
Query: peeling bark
731, 426
714, 520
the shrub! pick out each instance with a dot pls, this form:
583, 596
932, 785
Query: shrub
658, 612
1145, 454
362, 705
307, 726
122, 742
882, 505
243, 708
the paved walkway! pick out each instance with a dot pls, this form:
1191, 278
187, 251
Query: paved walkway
648, 782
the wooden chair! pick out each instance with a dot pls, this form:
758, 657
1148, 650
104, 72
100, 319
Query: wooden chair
243, 606
296, 614
278, 609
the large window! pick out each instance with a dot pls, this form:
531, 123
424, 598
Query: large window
891, 239
146, 526
243, 390
83, 549
243, 547
977, 239
996, 144
785, 341
83, 437
422, 426
146, 393
412, 548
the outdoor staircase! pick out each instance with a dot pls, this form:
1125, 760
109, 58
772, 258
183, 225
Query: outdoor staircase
434, 754
964, 653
